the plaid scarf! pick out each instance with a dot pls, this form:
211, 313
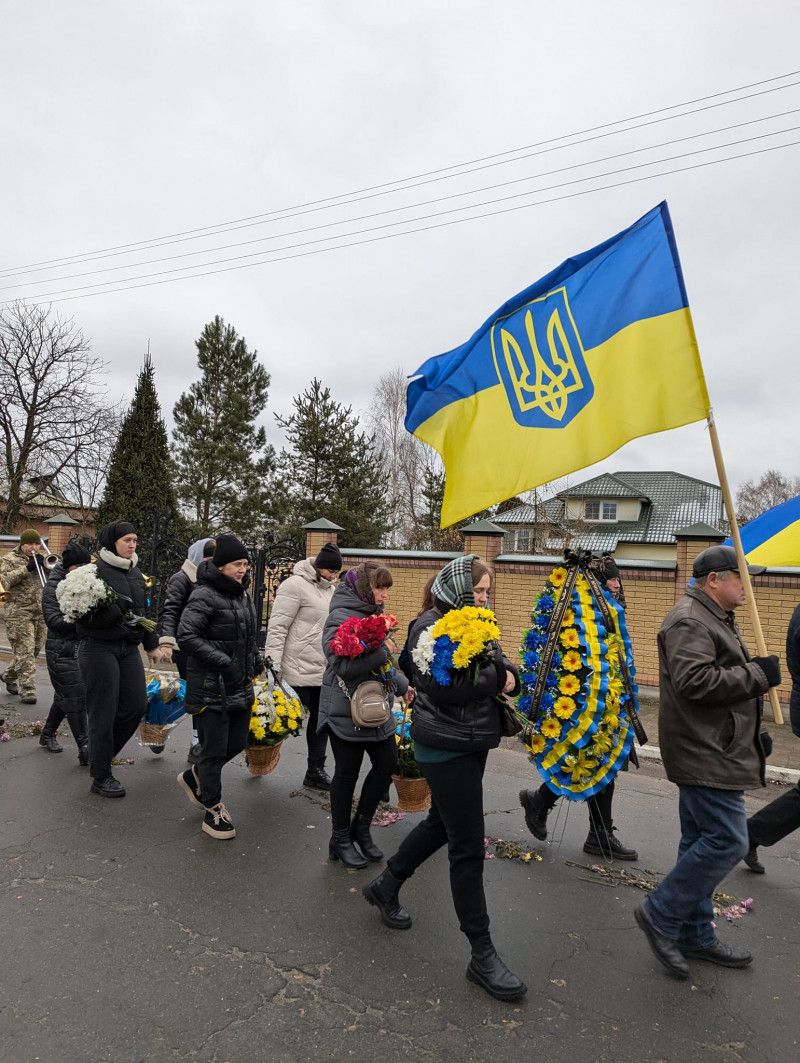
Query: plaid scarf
453, 585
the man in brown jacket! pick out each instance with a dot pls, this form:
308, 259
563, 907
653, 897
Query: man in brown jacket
709, 728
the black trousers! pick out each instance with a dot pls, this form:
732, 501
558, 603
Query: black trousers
777, 819
599, 806
348, 757
317, 743
223, 736
116, 698
456, 819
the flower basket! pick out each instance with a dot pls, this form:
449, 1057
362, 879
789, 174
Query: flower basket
413, 795
153, 734
261, 760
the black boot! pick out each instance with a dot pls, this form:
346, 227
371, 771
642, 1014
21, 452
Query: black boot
487, 970
536, 812
316, 778
359, 833
50, 742
601, 842
83, 755
341, 848
382, 892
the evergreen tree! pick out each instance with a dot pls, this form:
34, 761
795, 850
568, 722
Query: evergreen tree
332, 470
222, 460
139, 480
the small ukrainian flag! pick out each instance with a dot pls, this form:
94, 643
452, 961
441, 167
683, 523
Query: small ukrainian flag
773, 539
599, 352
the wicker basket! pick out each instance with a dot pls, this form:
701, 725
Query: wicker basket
413, 795
151, 734
261, 760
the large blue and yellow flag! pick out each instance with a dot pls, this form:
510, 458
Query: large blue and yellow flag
600, 351
773, 539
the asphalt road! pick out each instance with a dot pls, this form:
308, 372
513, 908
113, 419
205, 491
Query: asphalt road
131, 937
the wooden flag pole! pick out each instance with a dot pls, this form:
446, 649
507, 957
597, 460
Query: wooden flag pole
750, 597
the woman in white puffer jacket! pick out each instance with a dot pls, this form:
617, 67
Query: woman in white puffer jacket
294, 644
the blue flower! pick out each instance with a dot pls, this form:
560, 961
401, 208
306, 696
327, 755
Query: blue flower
551, 683
546, 603
542, 621
557, 657
534, 640
547, 702
524, 703
530, 660
528, 679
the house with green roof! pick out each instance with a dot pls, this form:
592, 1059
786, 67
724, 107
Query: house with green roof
633, 515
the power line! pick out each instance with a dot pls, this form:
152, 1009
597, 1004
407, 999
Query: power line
408, 232
424, 178
423, 203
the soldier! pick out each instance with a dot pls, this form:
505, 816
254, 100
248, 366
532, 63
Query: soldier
25, 626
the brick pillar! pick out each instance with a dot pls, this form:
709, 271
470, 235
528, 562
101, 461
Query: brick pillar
484, 539
318, 533
691, 542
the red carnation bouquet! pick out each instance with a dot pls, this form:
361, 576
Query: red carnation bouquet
359, 635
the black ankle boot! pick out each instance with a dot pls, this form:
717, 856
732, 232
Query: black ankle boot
382, 892
601, 842
50, 742
487, 970
536, 813
341, 848
360, 834
83, 754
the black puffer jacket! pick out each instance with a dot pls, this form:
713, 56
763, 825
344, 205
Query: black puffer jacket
106, 625
462, 717
334, 706
218, 631
60, 648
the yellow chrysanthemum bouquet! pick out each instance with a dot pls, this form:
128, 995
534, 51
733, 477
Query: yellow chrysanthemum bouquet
276, 714
461, 640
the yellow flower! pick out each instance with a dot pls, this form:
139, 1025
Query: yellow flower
569, 618
255, 723
259, 732
570, 639
557, 576
611, 721
564, 708
551, 728
537, 743
292, 725
569, 684
602, 742
571, 661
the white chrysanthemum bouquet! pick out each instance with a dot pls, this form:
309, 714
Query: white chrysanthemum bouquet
83, 592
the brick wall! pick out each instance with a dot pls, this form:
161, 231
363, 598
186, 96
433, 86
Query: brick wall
650, 592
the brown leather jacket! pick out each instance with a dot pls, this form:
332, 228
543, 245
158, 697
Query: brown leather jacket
710, 698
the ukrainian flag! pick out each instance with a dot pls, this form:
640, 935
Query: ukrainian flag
773, 539
599, 352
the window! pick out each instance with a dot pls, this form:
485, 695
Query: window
597, 510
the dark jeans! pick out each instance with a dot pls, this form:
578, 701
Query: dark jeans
347, 757
713, 841
599, 806
223, 736
456, 819
777, 819
317, 743
116, 698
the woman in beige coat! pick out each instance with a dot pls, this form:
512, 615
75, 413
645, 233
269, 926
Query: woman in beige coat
294, 644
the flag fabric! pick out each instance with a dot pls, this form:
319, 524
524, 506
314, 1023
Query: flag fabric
599, 352
773, 539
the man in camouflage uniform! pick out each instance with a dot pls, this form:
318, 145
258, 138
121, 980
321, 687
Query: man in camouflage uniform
25, 624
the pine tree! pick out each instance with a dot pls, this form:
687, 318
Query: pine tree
222, 459
332, 470
139, 480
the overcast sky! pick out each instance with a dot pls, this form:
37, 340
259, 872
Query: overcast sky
128, 122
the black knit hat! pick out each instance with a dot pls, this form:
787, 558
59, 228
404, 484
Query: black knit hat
608, 568
113, 531
75, 554
228, 549
329, 557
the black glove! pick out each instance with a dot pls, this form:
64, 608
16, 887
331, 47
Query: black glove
766, 742
771, 668
34, 564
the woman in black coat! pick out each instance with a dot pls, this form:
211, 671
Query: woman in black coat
217, 631
69, 695
361, 593
453, 728
109, 658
